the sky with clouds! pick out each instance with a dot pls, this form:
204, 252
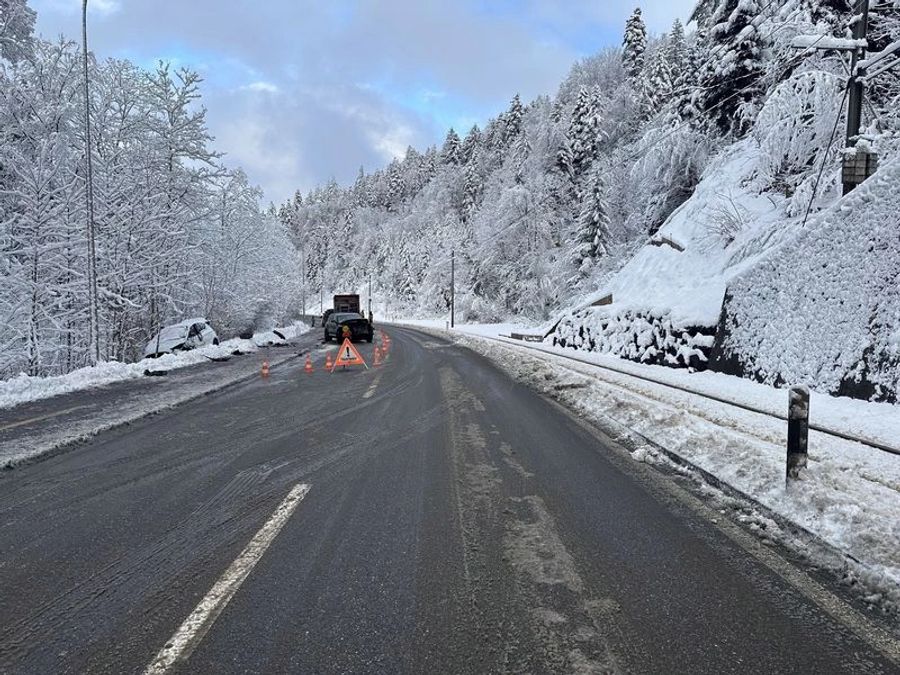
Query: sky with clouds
300, 91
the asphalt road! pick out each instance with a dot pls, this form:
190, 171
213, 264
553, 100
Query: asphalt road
44, 424
455, 521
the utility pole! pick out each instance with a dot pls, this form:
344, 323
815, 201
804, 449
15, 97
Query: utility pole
93, 296
370, 296
850, 176
858, 162
452, 288
303, 280
854, 110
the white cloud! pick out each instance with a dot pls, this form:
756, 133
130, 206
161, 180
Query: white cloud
262, 87
392, 142
281, 76
68, 7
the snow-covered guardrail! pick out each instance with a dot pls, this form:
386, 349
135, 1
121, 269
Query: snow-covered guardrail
878, 445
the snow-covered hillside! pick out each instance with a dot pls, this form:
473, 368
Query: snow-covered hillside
817, 303
823, 306
667, 299
669, 174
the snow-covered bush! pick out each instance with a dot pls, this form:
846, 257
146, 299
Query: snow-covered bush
795, 126
646, 337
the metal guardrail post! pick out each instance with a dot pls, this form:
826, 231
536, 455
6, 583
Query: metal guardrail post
798, 432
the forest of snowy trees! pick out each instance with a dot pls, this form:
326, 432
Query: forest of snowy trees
176, 233
540, 207
554, 195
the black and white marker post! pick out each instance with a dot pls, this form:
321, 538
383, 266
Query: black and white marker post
798, 432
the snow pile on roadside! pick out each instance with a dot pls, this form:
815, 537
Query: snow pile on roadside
23, 388
636, 336
486, 329
849, 496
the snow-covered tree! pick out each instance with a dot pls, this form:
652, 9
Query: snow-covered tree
592, 237
634, 44
451, 152
729, 82
396, 186
656, 84
513, 119
584, 134
471, 144
677, 52
16, 29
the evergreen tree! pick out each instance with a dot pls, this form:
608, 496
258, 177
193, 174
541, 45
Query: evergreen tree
451, 152
471, 144
730, 82
513, 119
429, 163
565, 162
592, 238
676, 51
521, 150
634, 44
584, 134
360, 196
16, 29
471, 189
396, 186
656, 84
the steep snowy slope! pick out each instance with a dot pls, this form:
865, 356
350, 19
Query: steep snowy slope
668, 298
824, 306
786, 302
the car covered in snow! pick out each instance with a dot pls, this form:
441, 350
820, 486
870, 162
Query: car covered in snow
358, 327
182, 336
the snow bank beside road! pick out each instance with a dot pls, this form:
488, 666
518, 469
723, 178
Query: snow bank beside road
849, 496
25, 388
873, 421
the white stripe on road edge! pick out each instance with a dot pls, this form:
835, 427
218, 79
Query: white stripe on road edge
40, 418
372, 387
180, 646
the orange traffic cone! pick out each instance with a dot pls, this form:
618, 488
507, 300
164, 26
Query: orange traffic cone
328, 363
308, 367
377, 356
265, 369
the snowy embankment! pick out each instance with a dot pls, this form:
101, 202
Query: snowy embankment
738, 281
24, 388
823, 307
850, 493
666, 300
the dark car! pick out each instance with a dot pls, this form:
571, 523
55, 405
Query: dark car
360, 328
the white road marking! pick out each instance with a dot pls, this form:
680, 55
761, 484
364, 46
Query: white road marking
32, 420
372, 387
189, 634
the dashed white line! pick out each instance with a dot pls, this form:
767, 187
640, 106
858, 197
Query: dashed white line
189, 634
372, 387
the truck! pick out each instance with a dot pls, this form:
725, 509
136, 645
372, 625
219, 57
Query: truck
342, 303
346, 303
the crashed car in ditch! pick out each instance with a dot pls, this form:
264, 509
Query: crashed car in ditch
182, 336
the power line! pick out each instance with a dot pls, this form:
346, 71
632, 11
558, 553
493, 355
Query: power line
837, 120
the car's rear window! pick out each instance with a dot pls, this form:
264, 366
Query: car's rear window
173, 332
346, 316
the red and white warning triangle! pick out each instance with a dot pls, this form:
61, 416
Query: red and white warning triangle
348, 356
